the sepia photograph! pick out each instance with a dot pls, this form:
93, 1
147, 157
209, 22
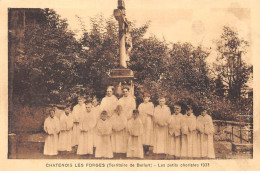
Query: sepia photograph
133, 80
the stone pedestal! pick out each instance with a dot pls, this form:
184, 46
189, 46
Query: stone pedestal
122, 77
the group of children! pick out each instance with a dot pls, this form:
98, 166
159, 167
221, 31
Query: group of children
117, 127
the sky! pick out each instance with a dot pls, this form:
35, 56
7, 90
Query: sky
174, 21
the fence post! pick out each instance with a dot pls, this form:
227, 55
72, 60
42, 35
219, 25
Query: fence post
240, 135
232, 134
251, 138
12, 145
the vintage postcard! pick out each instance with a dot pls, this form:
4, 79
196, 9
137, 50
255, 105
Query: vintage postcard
148, 85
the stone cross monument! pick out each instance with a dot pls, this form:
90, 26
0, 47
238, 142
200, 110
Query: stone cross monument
125, 40
122, 76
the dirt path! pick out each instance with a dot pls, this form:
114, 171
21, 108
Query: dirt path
31, 147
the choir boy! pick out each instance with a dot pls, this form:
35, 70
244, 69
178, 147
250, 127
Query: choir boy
66, 125
96, 111
52, 128
86, 126
135, 139
104, 132
162, 114
78, 111
205, 135
184, 133
192, 133
146, 110
119, 138
174, 143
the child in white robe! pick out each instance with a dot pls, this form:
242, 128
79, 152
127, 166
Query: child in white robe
171, 136
146, 110
96, 107
174, 142
119, 136
205, 135
127, 102
183, 127
192, 133
162, 115
135, 139
58, 111
52, 128
96, 112
104, 131
184, 134
66, 125
78, 111
86, 127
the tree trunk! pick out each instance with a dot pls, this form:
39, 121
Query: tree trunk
12, 45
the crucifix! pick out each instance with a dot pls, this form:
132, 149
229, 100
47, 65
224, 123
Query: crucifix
125, 41
122, 76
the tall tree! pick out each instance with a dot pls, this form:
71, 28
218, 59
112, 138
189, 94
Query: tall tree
44, 67
219, 87
187, 70
231, 67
